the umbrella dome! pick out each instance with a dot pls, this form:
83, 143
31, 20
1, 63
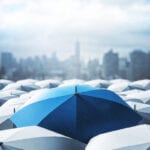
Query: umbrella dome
7, 110
144, 96
72, 82
119, 87
36, 138
79, 112
27, 81
141, 84
114, 81
98, 83
49, 83
9, 94
4, 83
134, 138
27, 87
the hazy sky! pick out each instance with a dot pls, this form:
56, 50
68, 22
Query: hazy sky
30, 27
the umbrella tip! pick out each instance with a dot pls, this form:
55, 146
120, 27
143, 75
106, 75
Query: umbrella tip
76, 89
134, 107
1, 143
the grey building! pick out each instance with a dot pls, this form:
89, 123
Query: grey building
110, 65
7, 61
138, 65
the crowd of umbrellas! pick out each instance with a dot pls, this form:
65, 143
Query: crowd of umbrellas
74, 114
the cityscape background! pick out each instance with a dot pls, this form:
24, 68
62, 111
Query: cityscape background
111, 66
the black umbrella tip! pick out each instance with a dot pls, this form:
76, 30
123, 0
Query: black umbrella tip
76, 91
1, 143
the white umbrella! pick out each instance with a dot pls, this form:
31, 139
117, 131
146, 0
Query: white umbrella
72, 82
37, 138
144, 96
8, 109
27, 81
130, 92
135, 137
119, 87
99, 83
9, 94
49, 83
4, 83
114, 81
6, 147
141, 84
20, 86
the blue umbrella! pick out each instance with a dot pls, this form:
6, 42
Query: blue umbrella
80, 112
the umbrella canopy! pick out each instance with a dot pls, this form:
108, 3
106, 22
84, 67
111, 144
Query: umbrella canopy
36, 138
114, 81
27, 81
144, 96
4, 83
72, 82
7, 110
80, 112
134, 138
13, 105
119, 87
99, 83
6, 147
9, 94
49, 83
27, 87
141, 84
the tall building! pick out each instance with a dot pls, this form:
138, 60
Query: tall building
138, 65
123, 68
93, 67
110, 65
7, 60
77, 60
72, 65
77, 50
148, 65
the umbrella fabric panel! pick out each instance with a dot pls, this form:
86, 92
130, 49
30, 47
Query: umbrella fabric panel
7, 147
30, 115
127, 137
57, 92
85, 88
63, 119
105, 94
37, 138
145, 146
47, 143
98, 116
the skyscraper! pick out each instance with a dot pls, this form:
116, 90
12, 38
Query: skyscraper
110, 65
7, 60
77, 50
138, 65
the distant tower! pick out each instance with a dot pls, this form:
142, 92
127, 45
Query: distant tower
110, 64
138, 65
77, 60
7, 60
77, 50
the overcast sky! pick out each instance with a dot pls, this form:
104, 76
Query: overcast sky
34, 27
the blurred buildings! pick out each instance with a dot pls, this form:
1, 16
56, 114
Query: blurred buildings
43, 67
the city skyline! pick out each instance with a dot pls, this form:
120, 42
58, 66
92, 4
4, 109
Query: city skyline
112, 67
